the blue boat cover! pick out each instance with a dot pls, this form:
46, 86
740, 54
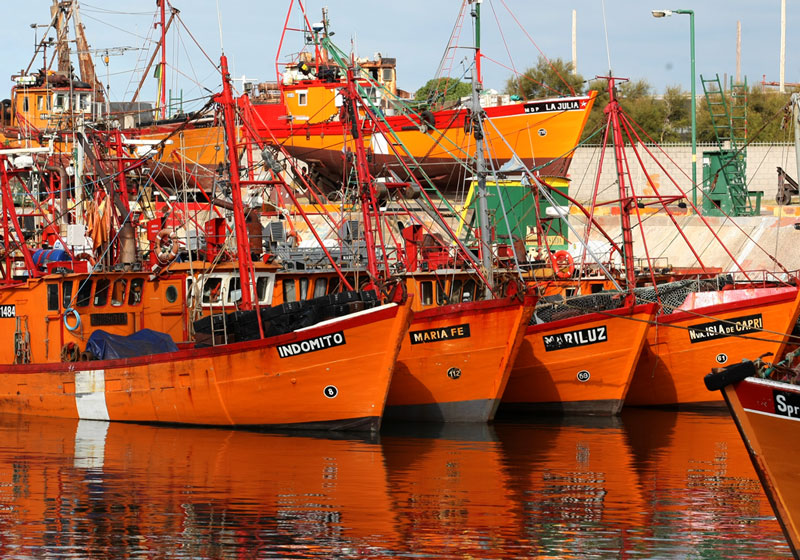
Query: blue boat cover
107, 346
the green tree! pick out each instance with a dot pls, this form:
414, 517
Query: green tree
441, 90
549, 78
636, 99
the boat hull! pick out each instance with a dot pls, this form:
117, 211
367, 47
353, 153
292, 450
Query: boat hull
767, 415
455, 360
581, 365
680, 348
331, 376
542, 134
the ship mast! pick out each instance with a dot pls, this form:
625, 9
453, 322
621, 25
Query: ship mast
626, 200
85, 63
163, 64
226, 101
372, 227
480, 158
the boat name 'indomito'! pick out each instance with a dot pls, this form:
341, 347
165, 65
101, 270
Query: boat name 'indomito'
311, 345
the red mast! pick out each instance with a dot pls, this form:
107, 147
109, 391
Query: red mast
163, 67
226, 101
626, 200
369, 206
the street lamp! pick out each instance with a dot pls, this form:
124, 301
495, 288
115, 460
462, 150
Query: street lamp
667, 13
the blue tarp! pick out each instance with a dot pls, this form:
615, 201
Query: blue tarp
107, 346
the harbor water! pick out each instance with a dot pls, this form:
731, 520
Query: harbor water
649, 484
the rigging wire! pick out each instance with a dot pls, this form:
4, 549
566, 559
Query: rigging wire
605, 30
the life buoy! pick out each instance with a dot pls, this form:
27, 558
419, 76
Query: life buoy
293, 235
70, 352
166, 246
563, 264
69, 311
85, 257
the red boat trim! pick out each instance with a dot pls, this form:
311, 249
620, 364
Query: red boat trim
466, 307
572, 321
379, 314
701, 312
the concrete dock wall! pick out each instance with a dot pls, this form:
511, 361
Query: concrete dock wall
762, 161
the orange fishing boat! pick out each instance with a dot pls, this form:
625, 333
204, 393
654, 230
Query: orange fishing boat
301, 112
580, 365
455, 361
682, 346
303, 377
766, 411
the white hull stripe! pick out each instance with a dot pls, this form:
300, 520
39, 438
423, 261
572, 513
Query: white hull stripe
764, 413
90, 394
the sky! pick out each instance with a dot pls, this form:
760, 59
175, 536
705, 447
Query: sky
415, 32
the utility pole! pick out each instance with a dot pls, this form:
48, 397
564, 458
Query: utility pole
574, 41
783, 46
739, 52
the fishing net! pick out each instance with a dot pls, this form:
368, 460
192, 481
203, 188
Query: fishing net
670, 295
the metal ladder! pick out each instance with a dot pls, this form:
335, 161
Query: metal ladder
729, 121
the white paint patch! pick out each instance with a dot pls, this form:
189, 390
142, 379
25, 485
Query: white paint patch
380, 145
90, 394
90, 444
749, 246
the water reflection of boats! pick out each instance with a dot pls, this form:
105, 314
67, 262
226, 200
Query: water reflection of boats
154, 483
450, 491
693, 466
568, 474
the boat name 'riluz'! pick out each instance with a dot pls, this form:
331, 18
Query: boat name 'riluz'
571, 339
311, 344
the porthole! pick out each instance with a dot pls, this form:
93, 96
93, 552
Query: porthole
171, 294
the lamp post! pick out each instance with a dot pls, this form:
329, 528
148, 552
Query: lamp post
667, 13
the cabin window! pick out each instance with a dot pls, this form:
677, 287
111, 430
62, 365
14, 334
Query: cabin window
25, 107
52, 297
171, 294
84, 293
596, 288
101, 292
118, 292
40, 102
303, 288
234, 290
441, 294
211, 290
426, 292
262, 284
83, 102
468, 294
66, 294
59, 101
289, 293
135, 295
302, 98
387, 74
320, 287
